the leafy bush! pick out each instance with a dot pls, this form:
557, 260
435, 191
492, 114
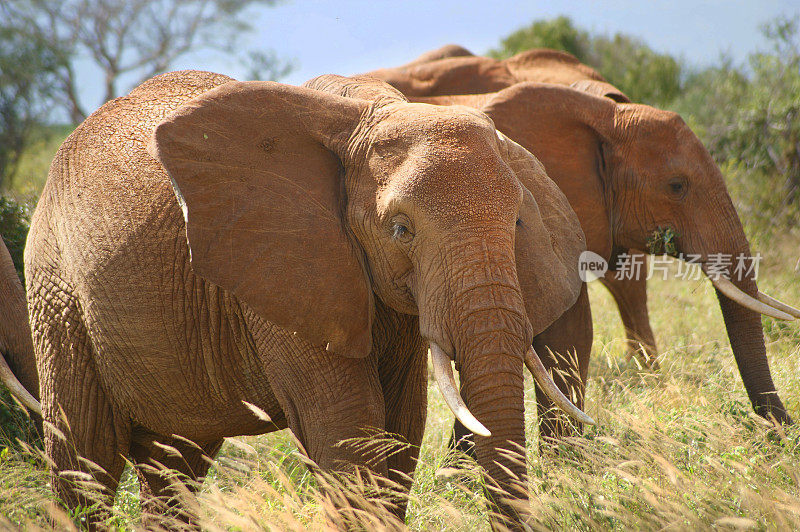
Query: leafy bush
625, 61
633, 67
15, 219
558, 33
753, 127
26, 85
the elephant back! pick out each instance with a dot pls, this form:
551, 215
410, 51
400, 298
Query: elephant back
103, 189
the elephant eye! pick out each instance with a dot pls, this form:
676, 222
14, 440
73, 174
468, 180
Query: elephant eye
400, 230
677, 187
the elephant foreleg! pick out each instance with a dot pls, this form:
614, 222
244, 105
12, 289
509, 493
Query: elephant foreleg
565, 348
402, 363
170, 471
631, 298
333, 404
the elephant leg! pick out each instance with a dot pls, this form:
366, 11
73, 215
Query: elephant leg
403, 368
333, 404
565, 348
84, 435
631, 298
170, 471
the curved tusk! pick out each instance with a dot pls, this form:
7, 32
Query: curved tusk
550, 389
729, 289
443, 373
780, 305
17, 389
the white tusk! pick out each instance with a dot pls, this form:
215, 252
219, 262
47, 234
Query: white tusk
443, 373
780, 305
729, 289
17, 389
550, 389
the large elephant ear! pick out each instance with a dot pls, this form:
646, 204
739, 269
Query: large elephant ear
549, 240
602, 89
566, 129
262, 196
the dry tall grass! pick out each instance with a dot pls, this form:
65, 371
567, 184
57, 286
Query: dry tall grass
678, 449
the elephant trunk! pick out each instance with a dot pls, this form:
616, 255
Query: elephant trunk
490, 341
492, 385
738, 297
728, 262
747, 342
478, 317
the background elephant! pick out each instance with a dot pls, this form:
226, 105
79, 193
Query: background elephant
333, 231
17, 364
627, 170
453, 69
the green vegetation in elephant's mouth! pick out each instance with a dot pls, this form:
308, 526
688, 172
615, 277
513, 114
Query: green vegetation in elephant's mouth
662, 240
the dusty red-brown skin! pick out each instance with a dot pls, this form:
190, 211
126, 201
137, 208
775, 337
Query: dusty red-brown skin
294, 199
617, 163
15, 335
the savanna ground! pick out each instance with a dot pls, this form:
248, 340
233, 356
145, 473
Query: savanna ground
674, 449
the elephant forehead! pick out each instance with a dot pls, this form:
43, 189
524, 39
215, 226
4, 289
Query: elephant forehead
457, 185
426, 123
445, 161
652, 135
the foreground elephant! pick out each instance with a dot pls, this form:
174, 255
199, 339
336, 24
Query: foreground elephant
452, 69
627, 169
321, 221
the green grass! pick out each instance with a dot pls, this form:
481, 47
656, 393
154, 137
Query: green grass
677, 449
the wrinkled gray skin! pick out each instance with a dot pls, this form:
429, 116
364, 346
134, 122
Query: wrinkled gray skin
341, 212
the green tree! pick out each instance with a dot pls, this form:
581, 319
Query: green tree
558, 33
766, 129
627, 62
749, 118
27, 72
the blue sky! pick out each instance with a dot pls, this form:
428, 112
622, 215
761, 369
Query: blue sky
353, 36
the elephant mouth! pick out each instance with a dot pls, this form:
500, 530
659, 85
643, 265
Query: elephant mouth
445, 379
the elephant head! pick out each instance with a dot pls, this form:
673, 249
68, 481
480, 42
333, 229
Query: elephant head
643, 170
309, 202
